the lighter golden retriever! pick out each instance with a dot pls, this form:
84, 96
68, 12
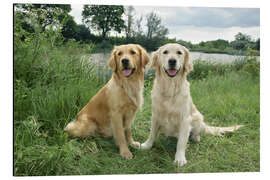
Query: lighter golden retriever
112, 110
173, 111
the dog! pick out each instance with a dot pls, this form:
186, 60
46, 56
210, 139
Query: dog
173, 111
112, 110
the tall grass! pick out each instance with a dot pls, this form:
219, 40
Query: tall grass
51, 84
204, 68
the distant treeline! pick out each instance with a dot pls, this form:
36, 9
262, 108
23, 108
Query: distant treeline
109, 25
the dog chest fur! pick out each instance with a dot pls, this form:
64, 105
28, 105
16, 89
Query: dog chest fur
168, 105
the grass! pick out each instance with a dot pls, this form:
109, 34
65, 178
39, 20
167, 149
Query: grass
51, 85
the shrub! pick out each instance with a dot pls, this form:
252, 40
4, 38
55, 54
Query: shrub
253, 52
103, 46
202, 69
252, 66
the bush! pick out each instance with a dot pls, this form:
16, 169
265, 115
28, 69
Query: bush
252, 66
253, 52
103, 47
202, 69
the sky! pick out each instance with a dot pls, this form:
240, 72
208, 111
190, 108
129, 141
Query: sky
196, 24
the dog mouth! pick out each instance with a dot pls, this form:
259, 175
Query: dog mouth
171, 72
127, 72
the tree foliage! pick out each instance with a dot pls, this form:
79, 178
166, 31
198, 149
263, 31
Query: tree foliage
130, 21
217, 44
104, 18
257, 46
45, 14
82, 33
154, 27
69, 28
241, 42
156, 32
138, 27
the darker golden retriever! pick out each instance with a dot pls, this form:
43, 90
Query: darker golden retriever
112, 110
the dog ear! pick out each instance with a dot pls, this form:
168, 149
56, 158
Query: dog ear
188, 63
154, 58
144, 56
112, 61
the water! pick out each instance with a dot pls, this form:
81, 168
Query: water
217, 58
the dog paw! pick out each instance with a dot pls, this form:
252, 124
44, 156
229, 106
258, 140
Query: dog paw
126, 154
136, 144
180, 162
145, 146
194, 138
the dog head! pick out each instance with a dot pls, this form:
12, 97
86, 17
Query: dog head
127, 60
172, 59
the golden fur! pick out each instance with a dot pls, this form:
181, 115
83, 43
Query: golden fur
112, 110
173, 111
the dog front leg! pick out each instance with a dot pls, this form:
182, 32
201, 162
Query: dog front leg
119, 136
184, 131
153, 134
129, 120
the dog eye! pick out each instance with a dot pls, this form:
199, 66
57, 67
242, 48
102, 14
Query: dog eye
119, 53
132, 52
179, 52
165, 52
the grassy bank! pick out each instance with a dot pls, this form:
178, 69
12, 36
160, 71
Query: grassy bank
51, 85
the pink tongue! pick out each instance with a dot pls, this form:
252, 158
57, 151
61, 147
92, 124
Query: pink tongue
126, 72
171, 72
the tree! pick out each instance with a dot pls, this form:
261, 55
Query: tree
138, 32
185, 43
69, 28
156, 33
220, 44
257, 46
130, 21
82, 33
242, 37
154, 27
241, 42
104, 18
45, 14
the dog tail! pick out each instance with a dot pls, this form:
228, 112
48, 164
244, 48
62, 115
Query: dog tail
218, 131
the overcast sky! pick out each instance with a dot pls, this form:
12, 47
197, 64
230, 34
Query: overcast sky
197, 24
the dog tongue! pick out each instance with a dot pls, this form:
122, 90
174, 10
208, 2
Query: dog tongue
171, 72
126, 72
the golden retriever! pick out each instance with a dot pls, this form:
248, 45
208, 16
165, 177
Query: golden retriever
173, 111
112, 110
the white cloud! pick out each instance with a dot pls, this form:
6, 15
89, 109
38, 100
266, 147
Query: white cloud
198, 34
198, 24
76, 12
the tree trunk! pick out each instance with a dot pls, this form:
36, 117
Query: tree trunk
103, 34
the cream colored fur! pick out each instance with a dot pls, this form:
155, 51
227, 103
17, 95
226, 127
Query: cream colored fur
173, 112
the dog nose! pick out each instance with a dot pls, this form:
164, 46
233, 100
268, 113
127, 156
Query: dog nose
172, 62
125, 61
